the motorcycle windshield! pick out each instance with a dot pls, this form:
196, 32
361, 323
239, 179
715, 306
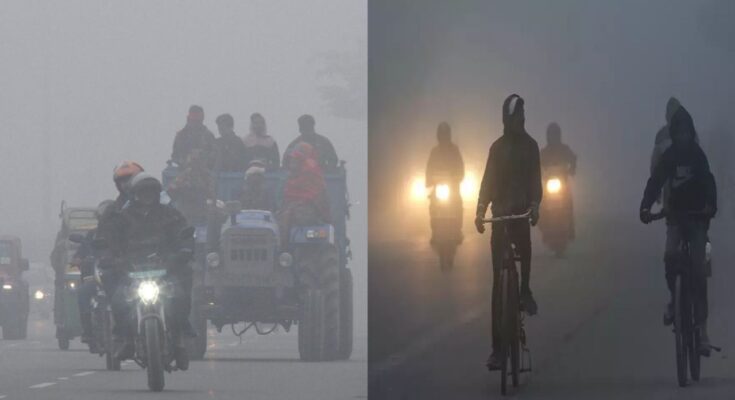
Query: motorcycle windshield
147, 275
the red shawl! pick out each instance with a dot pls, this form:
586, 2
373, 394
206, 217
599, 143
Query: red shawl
305, 181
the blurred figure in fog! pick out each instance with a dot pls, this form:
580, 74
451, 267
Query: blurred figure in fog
191, 189
558, 158
261, 146
305, 199
255, 194
326, 155
229, 150
445, 167
193, 136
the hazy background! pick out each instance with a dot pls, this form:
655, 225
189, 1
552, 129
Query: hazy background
86, 84
602, 70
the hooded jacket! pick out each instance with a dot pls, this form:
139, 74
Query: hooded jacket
512, 179
692, 185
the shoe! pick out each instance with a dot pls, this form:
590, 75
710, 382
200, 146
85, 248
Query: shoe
493, 362
181, 355
528, 304
187, 330
704, 344
124, 349
669, 314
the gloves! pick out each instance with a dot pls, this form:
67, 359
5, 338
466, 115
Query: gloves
645, 215
479, 224
534, 214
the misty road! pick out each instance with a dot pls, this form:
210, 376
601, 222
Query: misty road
37, 369
598, 333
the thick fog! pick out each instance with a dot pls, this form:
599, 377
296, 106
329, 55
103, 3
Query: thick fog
602, 70
87, 84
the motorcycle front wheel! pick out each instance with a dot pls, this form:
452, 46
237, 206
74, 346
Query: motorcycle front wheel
154, 354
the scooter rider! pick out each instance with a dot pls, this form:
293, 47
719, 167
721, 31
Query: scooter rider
512, 184
148, 227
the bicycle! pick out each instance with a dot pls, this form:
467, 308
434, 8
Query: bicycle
512, 331
686, 336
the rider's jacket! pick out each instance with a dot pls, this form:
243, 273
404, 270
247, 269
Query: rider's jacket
692, 185
445, 163
559, 155
142, 231
512, 179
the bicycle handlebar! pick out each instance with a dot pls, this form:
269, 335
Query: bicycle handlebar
663, 214
525, 215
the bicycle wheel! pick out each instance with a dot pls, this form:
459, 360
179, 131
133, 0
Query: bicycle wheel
694, 356
514, 328
680, 333
504, 331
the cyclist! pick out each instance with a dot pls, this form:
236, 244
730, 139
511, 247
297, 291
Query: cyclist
512, 184
691, 203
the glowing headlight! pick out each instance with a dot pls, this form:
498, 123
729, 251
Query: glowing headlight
72, 285
7, 287
39, 295
442, 192
418, 189
285, 260
468, 187
553, 185
148, 291
213, 260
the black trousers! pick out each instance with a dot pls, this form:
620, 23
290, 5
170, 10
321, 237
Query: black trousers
519, 234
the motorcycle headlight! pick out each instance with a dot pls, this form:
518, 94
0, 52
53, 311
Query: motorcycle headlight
213, 260
418, 189
285, 260
72, 285
7, 286
553, 185
442, 192
148, 292
39, 295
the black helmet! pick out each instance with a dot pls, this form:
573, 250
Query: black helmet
145, 189
553, 133
102, 208
444, 133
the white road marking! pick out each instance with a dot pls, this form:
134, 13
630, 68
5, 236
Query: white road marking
84, 373
63, 378
233, 344
13, 345
2, 396
42, 385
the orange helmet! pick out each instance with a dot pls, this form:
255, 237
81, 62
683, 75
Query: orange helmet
124, 171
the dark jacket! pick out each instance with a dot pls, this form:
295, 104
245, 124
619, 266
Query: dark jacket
327, 155
193, 136
559, 155
142, 232
85, 255
230, 154
512, 179
692, 184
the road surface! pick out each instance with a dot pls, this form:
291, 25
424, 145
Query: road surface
598, 334
259, 368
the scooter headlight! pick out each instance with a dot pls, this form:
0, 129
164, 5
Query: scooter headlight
285, 260
7, 286
39, 295
148, 292
213, 260
553, 185
442, 192
72, 285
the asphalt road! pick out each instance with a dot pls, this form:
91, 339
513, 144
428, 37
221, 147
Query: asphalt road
598, 334
259, 368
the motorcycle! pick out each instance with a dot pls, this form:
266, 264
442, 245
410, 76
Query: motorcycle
557, 218
445, 209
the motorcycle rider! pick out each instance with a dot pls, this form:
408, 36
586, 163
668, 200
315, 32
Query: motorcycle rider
326, 154
511, 184
193, 136
148, 227
558, 155
445, 166
230, 154
691, 203
84, 258
260, 145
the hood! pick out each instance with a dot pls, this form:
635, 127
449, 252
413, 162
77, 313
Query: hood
671, 106
682, 121
513, 108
